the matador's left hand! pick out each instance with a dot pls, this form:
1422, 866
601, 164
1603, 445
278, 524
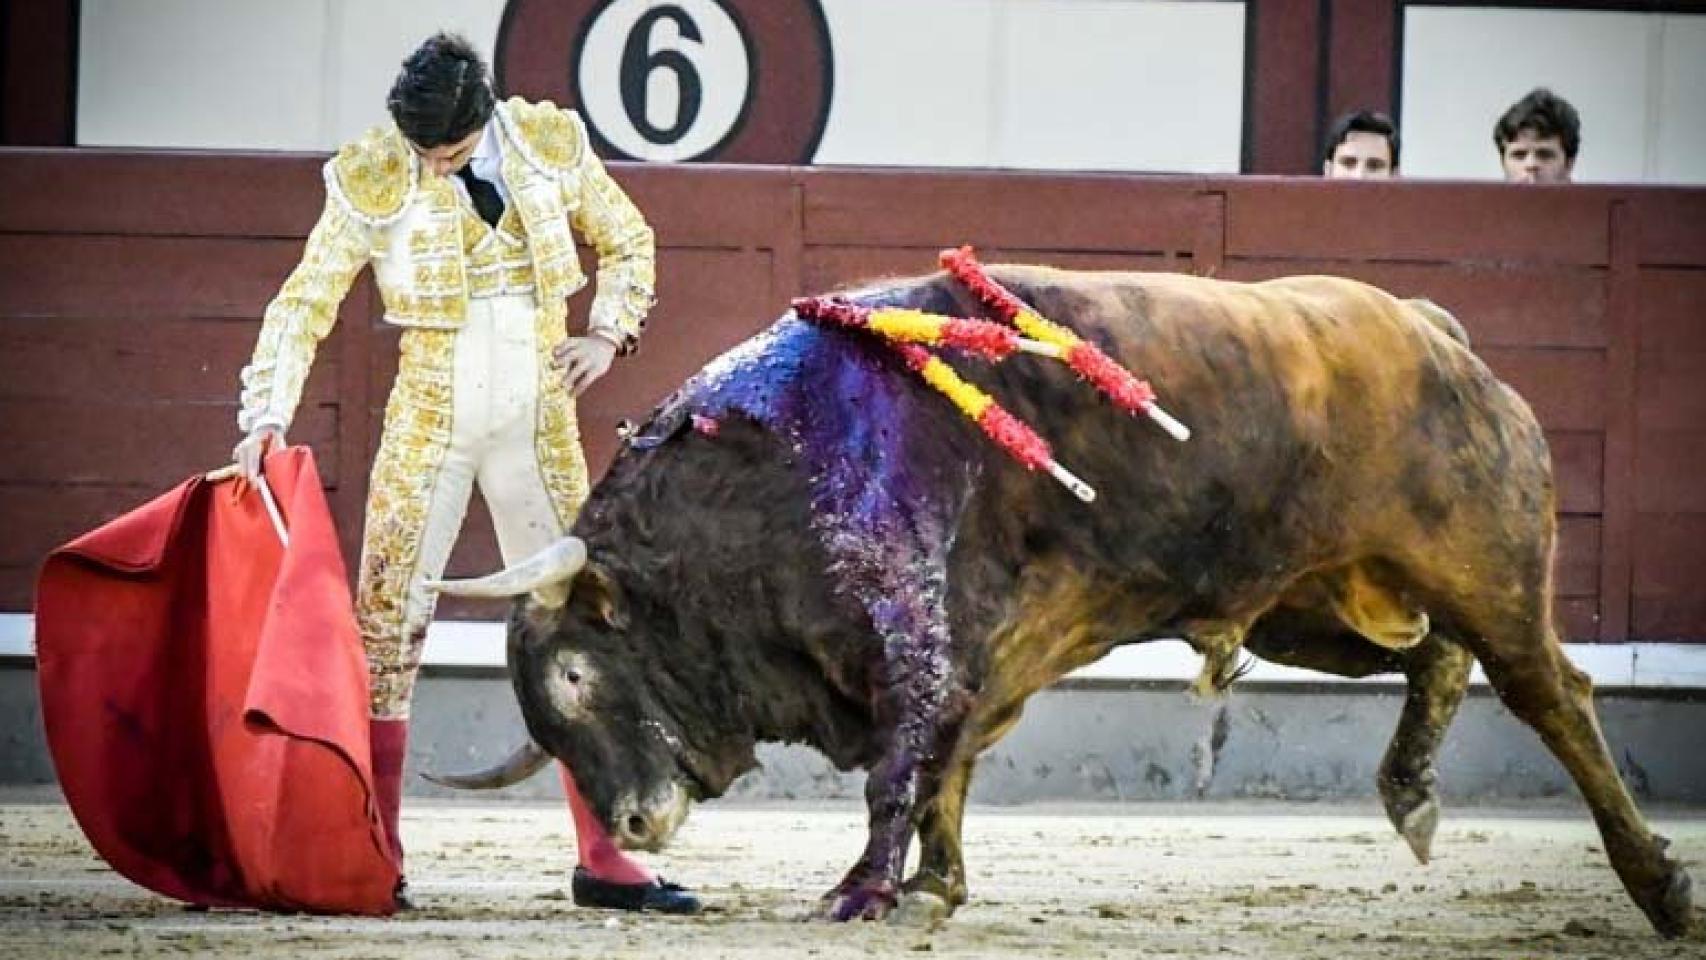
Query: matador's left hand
583, 360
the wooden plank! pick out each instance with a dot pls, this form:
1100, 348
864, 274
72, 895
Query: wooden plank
352, 346
1362, 59
17, 587
1512, 305
105, 443
830, 268
38, 73
1670, 309
1672, 392
137, 277
1415, 220
82, 358
1576, 619
598, 438
1576, 567
1037, 211
1617, 546
1208, 247
787, 268
1671, 224
38, 518
1670, 552
1672, 474
279, 195
1566, 388
704, 205
157, 193
1578, 469
1283, 84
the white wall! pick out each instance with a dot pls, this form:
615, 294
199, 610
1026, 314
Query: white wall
252, 74
1030, 84
1040, 84
1681, 108
1037, 84
1636, 79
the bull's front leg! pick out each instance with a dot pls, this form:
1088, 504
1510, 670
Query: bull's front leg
939, 885
920, 707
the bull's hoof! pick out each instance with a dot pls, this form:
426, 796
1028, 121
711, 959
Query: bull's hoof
857, 903
1413, 807
1672, 911
1417, 827
920, 909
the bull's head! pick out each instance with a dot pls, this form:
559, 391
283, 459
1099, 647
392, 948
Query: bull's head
595, 698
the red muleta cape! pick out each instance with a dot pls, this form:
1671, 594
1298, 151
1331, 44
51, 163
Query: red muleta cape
205, 697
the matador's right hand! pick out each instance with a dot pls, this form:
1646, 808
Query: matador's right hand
253, 447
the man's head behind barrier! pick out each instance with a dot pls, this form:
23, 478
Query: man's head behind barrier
1361, 145
1538, 138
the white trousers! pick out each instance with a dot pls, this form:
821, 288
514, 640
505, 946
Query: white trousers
476, 406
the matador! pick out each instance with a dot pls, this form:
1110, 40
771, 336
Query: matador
463, 206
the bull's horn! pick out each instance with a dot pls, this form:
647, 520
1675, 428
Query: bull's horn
546, 573
518, 766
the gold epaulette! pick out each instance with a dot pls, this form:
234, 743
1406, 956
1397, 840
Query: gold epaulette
374, 176
549, 138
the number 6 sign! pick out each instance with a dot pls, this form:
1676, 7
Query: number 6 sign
735, 81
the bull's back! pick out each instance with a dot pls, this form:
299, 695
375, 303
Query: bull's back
1317, 363
1329, 418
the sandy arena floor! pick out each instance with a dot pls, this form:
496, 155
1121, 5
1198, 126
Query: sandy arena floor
1209, 880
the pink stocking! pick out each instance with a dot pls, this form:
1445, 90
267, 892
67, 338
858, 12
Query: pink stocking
390, 740
599, 855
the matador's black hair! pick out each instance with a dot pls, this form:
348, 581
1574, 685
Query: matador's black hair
442, 94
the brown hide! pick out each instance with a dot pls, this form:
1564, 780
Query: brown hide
1379, 478
1360, 495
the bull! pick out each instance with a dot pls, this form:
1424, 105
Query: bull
805, 545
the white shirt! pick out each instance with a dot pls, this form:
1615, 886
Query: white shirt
487, 164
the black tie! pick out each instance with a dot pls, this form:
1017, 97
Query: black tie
487, 203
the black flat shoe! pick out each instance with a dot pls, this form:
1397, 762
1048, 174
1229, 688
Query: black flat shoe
659, 896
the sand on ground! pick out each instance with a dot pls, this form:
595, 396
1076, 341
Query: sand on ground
1275, 881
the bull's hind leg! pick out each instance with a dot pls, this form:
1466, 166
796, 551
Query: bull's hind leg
1438, 673
1538, 683
1437, 670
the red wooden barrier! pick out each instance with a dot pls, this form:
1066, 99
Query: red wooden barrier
131, 284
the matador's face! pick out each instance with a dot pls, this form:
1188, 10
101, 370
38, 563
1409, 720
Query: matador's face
446, 159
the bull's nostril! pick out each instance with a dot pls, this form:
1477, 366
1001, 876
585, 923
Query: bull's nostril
637, 825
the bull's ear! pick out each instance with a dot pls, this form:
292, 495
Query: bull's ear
604, 595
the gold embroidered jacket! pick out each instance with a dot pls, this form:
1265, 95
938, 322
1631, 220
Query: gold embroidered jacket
383, 208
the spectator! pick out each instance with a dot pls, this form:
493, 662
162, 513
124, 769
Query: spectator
1363, 146
1538, 138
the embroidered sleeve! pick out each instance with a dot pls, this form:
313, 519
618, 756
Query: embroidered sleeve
300, 317
625, 246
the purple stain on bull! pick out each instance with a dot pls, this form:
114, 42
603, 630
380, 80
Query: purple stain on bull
846, 563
